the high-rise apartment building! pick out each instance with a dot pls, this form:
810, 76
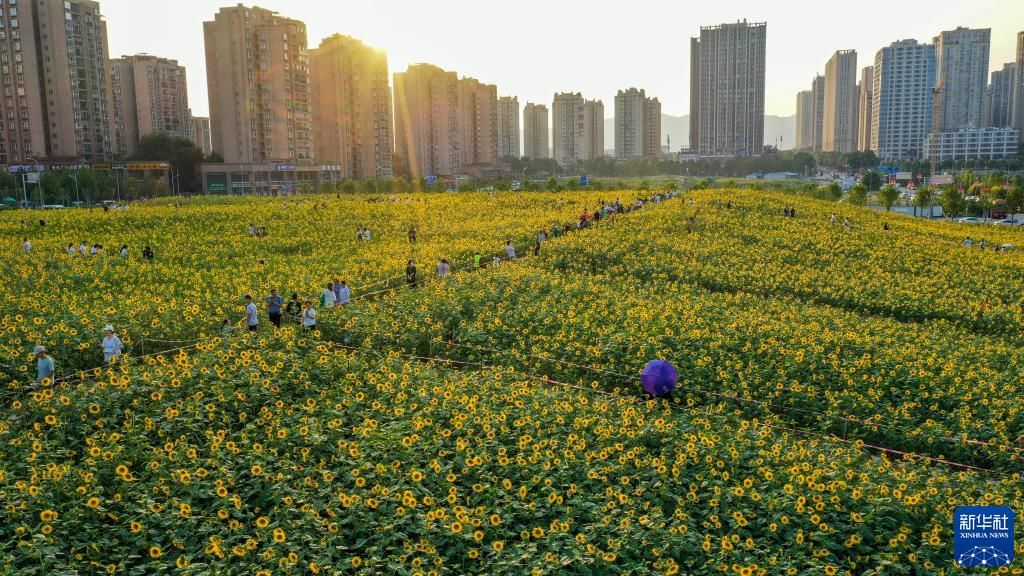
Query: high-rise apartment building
818, 112
535, 131
1017, 99
578, 129
257, 75
729, 81
427, 133
23, 125
478, 123
201, 136
147, 94
508, 127
637, 126
961, 78
69, 41
867, 83
351, 99
804, 120
901, 109
652, 129
1000, 96
839, 123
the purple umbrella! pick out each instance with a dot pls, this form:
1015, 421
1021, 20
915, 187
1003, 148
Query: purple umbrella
659, 378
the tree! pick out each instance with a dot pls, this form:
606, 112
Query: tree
552, 184
49, 185
833, 191
952, 201
8, 182
923, 198
888, 196
183, 155
87, 184
213, 158
69, 184
872, 180
858, 195
1015, 199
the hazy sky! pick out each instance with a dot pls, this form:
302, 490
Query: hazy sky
534, 48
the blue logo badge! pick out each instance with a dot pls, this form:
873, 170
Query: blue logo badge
983, 536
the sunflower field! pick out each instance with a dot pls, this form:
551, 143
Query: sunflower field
842, 390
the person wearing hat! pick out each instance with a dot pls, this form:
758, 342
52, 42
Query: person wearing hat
112, 345
44, 365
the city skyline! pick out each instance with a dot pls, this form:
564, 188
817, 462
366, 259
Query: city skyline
795, 51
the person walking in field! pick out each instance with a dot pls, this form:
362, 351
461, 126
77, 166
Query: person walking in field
294, 308
251, 318
336, 287
83, 248
124, 251
412, 235
45, 368
308, 317
327, 298
536, 248
71, 249
344, 294
366, 234
274, 303
147, 253
510, 250
111, 345
410, 274
476, 260
443, 269
26, 246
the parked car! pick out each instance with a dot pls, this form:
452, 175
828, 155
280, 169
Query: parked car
1007, 222
969, 220
52, 206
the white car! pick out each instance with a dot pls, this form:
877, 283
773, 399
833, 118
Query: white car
1006, 222
969, 220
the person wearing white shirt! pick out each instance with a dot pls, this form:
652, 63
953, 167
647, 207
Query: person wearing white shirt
366, 234
124, 251
510, 250
251, 314
83, 248
71, 249
111, 344
26, 246
344, 294
309, 316
94, 250
327, 297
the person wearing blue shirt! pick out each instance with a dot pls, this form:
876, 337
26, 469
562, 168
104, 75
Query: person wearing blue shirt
344, 294
44, 365
274, 303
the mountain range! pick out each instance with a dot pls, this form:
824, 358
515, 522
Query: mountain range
678, 128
